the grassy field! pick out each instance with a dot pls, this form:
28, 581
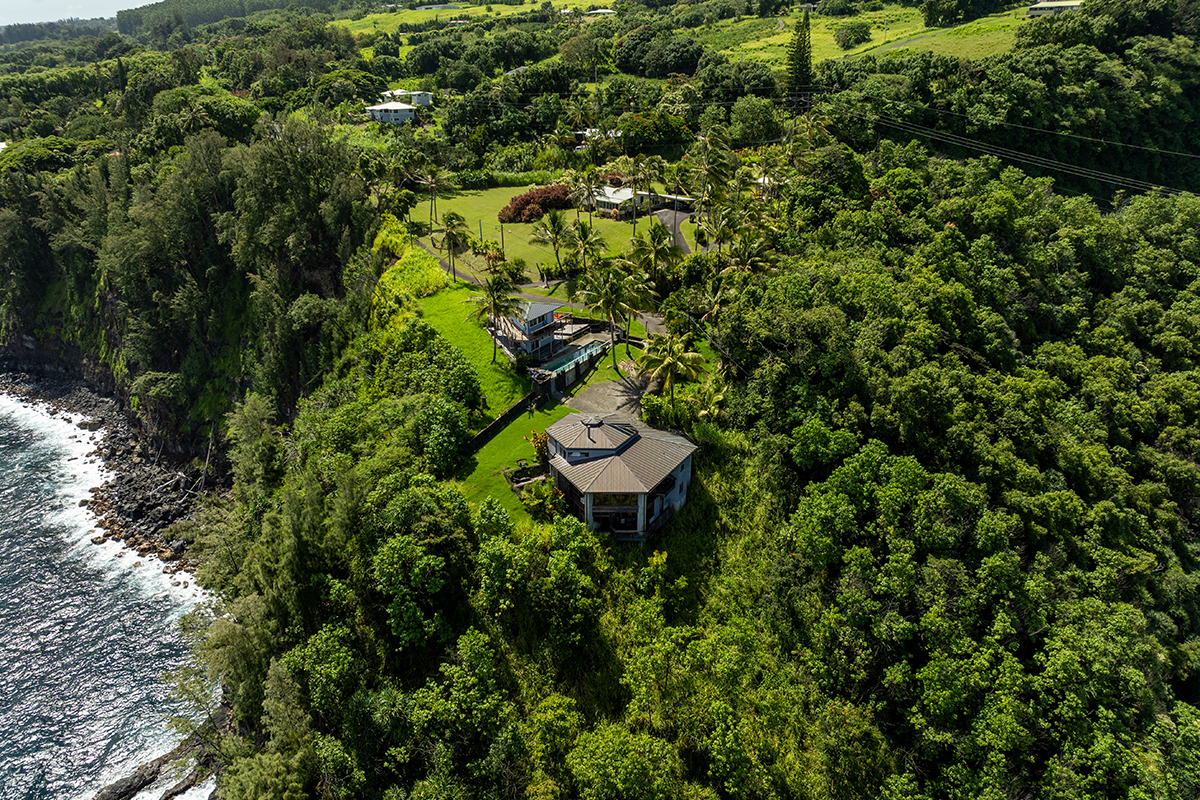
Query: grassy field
976, 39
479, 208
763, 39
486, 476
388, 21
447, 312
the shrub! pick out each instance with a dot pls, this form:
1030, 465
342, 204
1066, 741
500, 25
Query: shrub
473, 179
541, 444
530, 206
543, 501
852, 34
501, 178
837, 8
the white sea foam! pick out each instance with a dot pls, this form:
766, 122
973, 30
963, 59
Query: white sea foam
80, 469
77, 469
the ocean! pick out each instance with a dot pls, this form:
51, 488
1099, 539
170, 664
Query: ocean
85, 636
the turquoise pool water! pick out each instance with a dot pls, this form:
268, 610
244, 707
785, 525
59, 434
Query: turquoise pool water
565, 362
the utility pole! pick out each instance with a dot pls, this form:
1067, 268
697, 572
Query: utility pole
885, 24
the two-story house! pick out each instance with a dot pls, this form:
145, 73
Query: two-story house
531, 330
618, 475
392, 112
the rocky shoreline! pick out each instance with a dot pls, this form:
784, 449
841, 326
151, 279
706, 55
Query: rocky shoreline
145, 492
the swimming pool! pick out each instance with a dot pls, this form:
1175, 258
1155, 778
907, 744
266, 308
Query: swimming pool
565, 362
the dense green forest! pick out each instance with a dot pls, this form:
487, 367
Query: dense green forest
941, 541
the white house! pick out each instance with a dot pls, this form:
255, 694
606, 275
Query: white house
618, 475
609, 198
531, 331
1056, 7
392, 112
417, 98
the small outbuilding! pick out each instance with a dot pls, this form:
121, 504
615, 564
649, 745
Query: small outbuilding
618, 475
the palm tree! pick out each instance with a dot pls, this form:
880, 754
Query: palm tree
588, 243
639, 294
194, 117
713, 165
720, 225
603, 290
578, 112
656, 253
743, 180
583, 186
708, 399
554, 231
771, 166
668, 357
434, 179
645, 171
710, 301
494, 303
749, 253
456, 237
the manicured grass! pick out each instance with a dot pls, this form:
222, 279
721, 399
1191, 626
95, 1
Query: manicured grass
559, 290
447, 312
486, 477
480, 206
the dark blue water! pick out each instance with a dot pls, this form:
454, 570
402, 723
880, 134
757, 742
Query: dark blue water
85, 636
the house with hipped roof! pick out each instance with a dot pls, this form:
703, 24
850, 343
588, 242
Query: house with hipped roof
618, 475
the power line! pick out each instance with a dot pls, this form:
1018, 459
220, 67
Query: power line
1016, 155
1040, 130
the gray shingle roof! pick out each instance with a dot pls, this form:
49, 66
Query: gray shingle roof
644, 457
533, 310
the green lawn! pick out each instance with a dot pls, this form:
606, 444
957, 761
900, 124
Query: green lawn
903, 26
447, 312
389, 21
479, 207
486, 476
558, 290
976, 39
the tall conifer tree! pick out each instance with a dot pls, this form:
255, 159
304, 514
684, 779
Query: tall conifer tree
800, 71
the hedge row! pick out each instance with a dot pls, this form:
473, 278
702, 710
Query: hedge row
530, 207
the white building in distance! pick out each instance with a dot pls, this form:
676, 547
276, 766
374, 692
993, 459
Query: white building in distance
392, 112
417, 98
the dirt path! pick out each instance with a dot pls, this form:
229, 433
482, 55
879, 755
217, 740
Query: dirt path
461, 272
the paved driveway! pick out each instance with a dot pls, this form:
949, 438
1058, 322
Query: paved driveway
622, 397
